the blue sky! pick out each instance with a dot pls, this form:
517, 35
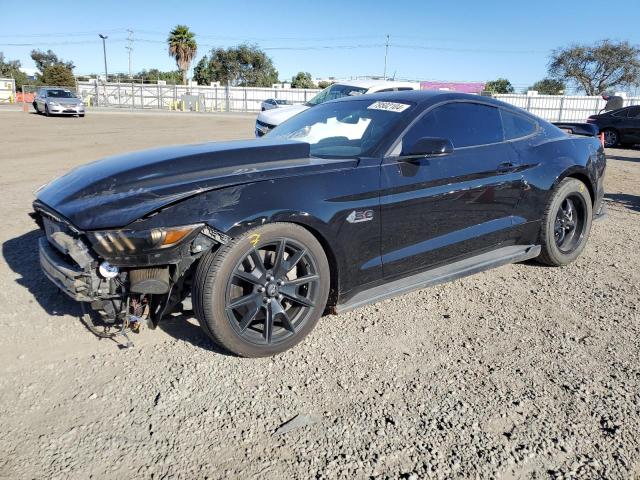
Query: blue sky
445, 40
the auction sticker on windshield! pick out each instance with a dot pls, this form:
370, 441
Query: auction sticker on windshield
389, 106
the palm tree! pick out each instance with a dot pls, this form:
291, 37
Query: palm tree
182, 47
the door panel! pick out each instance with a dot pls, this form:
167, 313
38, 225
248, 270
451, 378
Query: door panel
440, 208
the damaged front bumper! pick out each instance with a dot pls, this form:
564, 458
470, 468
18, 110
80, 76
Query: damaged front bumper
159, 279
72, 281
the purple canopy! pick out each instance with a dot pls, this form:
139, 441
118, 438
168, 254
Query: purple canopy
463, 87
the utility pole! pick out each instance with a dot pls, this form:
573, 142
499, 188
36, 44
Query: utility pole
129, 47
386, 52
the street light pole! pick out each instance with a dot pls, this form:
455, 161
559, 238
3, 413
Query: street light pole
104, 50
106, 75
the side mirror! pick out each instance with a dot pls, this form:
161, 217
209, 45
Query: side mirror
428, 147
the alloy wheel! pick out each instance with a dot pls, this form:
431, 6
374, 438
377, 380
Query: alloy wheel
272, 292
610, 138
570, 223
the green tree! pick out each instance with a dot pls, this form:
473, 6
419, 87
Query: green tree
11, 69
244, 65
548, 86
152, 75
302, 80
57, 75
324, 84
597, 68
52, 70
501, 85
183, 48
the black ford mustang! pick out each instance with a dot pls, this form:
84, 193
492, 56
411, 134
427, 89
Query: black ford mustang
347, 203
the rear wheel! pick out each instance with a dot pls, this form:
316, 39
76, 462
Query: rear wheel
611, 138
263, 292
566, 223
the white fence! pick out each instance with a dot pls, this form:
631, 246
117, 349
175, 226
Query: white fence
211, 99
556, 108
239, 99
7, 90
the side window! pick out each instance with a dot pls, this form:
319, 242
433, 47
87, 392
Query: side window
516, 126
634, 112
621, 113
384, 90
465, 124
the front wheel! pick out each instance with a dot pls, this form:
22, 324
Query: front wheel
46, 110
263, 292
566, 223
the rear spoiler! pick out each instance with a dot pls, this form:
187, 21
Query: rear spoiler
586, 129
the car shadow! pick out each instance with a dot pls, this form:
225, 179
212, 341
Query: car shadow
184, 327
632, 202
21, 254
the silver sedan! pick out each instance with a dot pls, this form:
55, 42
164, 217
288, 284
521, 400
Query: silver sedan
58, 101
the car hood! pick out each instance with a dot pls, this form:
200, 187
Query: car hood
276, 116
116, 191
66, 101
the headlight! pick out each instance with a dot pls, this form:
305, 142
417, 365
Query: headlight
110, 243
54, 104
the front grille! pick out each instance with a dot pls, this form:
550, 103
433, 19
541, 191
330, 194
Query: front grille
263, 128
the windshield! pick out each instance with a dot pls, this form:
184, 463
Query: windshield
335, 91
343, 129
60, 94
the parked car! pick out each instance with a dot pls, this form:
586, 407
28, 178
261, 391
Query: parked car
620, 127
58, 101
272, 103
348, 203
268, 120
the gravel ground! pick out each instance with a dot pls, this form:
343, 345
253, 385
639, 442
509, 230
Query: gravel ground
519, 372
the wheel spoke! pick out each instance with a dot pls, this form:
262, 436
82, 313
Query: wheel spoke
278, 309
247, 277
294, 259
289, 292
279, 260
244, 300
258, 262
303, 280
248, 317
268, 323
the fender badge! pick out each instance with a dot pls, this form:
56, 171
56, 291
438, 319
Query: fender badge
358, 216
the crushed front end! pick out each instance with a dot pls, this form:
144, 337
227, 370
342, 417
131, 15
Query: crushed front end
128, 276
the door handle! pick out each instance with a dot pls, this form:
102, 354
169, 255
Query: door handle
506, 167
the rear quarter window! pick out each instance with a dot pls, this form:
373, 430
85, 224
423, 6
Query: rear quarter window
516, 126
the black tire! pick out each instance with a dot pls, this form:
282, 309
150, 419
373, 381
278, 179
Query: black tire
563, 236
276, 292
81, 115
46, 110
35, 107
611, 137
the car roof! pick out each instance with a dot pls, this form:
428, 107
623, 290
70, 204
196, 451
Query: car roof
373, 83
426, 97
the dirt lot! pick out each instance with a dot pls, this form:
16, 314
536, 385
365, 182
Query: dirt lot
522, 371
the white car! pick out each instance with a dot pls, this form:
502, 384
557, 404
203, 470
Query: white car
269, 119
272, 103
